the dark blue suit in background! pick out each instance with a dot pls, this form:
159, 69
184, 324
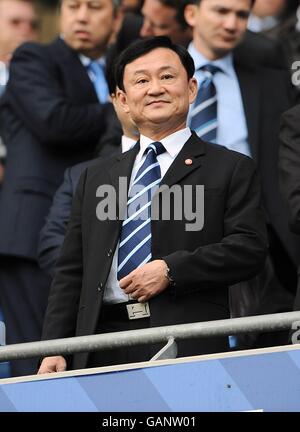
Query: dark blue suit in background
51, 120
53, 232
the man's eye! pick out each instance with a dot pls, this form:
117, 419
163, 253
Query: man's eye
243, 15
221, 11
141, 81
167, 76
15, 22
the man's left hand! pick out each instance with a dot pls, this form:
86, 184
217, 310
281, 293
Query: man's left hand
146, 282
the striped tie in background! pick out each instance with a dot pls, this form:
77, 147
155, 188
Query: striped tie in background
204, 114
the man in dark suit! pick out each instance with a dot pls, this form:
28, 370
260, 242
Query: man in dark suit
289, 172
53, 115
248, 114
18, 24
187, 270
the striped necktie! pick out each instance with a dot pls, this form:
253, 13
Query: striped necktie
97, 74
204, 113
135, 240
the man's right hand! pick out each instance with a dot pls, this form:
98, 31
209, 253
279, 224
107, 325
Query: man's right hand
53, 364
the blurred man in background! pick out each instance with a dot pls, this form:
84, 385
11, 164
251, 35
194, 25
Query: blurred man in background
279, 20
53, 113
237, 107
166, 18
18, 23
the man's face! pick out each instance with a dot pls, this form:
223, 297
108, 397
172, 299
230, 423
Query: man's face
87, 25
158, 92
160, 20
219, 25
18, 24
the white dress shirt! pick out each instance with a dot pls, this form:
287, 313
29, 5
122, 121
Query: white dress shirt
173, 144
257, 24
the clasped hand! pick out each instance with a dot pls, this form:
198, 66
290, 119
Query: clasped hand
146, 281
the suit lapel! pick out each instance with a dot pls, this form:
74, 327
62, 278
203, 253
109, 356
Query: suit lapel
123, 168
186, 161
251, 100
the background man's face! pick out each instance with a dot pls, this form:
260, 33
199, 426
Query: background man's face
157, 90
160, 20
87, 25
219, 25
18, 24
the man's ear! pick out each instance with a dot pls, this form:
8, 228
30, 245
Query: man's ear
190, 12
122, 98
193, 89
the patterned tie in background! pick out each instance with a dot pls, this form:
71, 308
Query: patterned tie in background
135, 240
204, 113
97, 74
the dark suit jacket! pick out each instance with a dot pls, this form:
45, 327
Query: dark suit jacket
289, 164
52, 120
289, 172
53, 232
256, 49
263, 108
230, 248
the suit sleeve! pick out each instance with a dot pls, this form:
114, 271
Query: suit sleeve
53, 232
39, 99
289, 164
241, 253
63, 303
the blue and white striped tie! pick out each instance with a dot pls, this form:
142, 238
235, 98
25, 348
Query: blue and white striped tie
204, 114
135, 240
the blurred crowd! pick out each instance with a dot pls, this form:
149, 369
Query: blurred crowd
59, 110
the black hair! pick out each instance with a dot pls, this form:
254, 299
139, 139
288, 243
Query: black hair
111, 58
179, 6
144, 46
290, 8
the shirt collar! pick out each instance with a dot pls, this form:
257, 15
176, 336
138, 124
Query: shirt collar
172, 143
86, 60
127, 143
225, 63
